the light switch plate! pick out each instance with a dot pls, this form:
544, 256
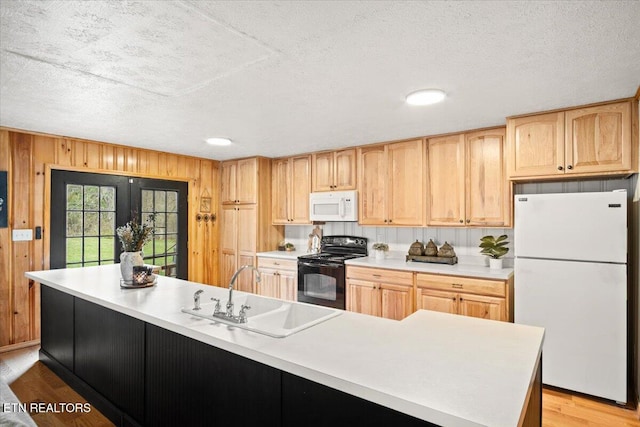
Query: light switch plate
22, 235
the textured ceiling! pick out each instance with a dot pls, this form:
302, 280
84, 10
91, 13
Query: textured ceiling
287, 77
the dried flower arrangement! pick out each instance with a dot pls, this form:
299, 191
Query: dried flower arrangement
133, 235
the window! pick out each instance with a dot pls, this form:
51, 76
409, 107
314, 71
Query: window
86, 208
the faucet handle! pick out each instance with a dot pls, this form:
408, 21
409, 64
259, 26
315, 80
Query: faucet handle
216, 309
243, 313
196, 299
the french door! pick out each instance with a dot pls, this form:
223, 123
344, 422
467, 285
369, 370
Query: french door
86, 209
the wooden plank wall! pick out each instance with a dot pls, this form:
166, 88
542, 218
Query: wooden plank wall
29, 158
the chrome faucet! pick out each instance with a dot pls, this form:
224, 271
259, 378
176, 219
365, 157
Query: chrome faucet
196, 299
229, 313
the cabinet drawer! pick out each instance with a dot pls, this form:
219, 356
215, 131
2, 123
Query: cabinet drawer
280, 264
462, 284
379, 275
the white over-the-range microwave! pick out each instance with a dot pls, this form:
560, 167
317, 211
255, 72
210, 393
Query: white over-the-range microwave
333, 206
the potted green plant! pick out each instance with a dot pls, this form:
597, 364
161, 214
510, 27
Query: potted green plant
495, 248
379, 249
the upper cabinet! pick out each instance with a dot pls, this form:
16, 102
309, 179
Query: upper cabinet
334, 170
239, 181
467, 182
579, 142
291, 185
391, 184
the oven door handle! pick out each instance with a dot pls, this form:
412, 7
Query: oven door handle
310, 264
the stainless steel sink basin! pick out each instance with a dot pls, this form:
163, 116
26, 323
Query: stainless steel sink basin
272, 317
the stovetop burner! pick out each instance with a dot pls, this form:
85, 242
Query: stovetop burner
329, 257
338, 249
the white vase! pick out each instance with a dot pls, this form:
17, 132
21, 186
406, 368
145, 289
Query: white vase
379, 254
127, 261
495, 264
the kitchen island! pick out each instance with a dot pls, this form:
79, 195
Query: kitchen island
146, 363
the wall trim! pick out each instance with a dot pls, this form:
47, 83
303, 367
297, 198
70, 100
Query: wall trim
20, 345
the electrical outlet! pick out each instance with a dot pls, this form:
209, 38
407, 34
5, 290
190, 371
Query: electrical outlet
22, 235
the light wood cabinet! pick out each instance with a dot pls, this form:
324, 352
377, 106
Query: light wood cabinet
334, 170
467, 180
291, 185
379, 292
238, 244
239, 181
245, 227
390, 184
585, 141
279, 278
483, 298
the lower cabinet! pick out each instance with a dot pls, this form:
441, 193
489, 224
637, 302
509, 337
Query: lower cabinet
309, 404
390, 294
278, 278
56, 339
139, 374
189, 383
487, 299
109, 355
379, 292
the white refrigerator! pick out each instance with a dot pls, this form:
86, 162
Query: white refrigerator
571, 278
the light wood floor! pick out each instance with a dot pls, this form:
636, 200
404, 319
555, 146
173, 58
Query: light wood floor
31, 381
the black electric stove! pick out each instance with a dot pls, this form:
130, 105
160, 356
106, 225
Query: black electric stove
321, 276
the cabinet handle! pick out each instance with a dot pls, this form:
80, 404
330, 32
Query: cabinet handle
453, 298
457, 285
385, 220
468, 221
390, 221
569, 167
559, 168
276, 263
376, 275
461, 221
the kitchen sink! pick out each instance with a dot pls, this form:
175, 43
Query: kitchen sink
272, 317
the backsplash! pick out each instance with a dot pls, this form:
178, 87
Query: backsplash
464, 240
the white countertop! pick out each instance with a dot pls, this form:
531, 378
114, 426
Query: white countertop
447, 369
291, 255
468, 270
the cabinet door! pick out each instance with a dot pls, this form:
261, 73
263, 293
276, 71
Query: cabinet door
396, 301
406, 192
344, 170
110, 355
445, 302
279, 191
289, 285
300, 182
598, 139
488, 192
322, 170
446, 180
269, 283
363, 297
228, 242
536, 145
246, 230
372, 182
246, 180
246, 226
483, 307
228, 182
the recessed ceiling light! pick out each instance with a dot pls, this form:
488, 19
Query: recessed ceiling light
425, 97
218, 141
